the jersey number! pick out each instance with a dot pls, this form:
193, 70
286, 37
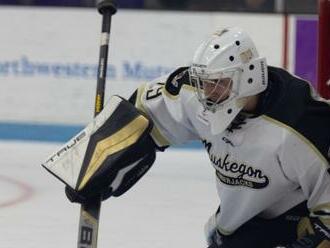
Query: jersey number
154, 92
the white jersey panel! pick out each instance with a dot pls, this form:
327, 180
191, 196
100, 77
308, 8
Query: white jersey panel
303, 163
172, 125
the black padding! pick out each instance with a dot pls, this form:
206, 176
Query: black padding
289, 100
174, 87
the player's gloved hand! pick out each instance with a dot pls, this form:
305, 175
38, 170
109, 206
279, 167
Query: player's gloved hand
213, 237
315, 235
309, 241
74, 196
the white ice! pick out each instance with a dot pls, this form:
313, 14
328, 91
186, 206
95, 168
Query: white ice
166, 209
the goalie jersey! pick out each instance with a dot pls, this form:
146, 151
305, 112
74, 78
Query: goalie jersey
265, 163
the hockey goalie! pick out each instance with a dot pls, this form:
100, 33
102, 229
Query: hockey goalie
267, 134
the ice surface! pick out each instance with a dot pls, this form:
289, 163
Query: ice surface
167, 208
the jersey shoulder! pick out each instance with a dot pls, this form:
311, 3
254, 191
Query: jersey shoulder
293, 101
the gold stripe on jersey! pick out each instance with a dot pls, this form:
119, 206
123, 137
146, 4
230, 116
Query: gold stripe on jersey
305, 227
322, 212
223, 231
188, 87
155, 133
297, 134
325, 221
169, 95
324, 244
138, 102
160, 140
322, 207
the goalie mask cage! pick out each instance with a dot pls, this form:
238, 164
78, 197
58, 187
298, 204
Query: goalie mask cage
324, 48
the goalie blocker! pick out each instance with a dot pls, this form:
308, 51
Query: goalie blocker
107, 157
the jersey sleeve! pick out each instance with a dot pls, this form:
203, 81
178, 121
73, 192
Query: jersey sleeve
305, 161
167, 110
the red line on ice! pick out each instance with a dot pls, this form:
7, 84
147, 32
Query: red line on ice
25, 192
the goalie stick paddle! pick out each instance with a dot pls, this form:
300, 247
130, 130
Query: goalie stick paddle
90, 213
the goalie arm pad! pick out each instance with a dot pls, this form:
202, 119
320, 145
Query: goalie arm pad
109, 156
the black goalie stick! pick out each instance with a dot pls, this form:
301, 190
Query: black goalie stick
90, 213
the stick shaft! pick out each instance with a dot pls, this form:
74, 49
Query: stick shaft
90, 213
103, 62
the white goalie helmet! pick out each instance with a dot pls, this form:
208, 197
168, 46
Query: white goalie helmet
226, 69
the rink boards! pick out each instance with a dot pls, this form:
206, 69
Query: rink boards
49, 58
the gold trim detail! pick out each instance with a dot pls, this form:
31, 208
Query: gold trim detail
159, 138
120, 140
169, 95
155, 132
224, 232
188, 87
138, 102
324, 244
304, 227
325, 221
88, 218
322, 207
300, 136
